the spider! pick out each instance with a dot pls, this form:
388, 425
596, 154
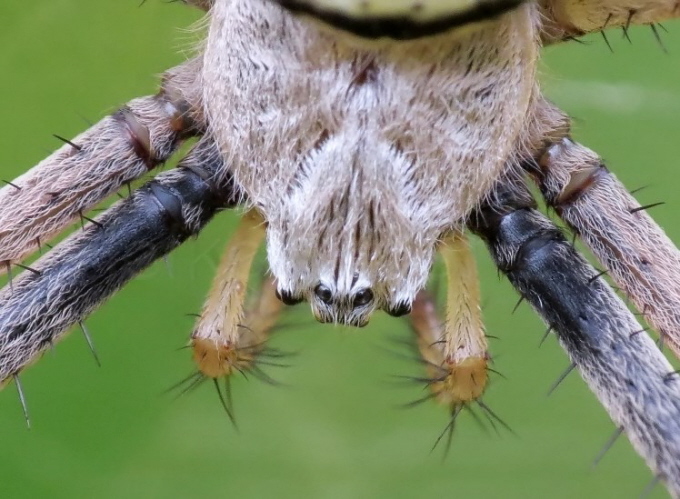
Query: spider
375, 224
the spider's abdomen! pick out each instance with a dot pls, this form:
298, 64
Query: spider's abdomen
399, 19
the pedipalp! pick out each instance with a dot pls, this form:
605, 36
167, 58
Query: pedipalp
455, 352
220, 355
222, 341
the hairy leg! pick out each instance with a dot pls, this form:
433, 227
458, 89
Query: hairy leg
635, 251
80, 273
94, 165
620, 363
221, 341
455, 353
566, 19
218, 353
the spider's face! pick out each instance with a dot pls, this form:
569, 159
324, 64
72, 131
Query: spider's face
352, 305
345, 239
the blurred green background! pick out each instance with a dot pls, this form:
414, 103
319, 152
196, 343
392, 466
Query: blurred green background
335, 430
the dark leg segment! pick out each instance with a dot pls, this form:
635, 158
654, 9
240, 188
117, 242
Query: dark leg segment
117, 150
621, 365
636, 252
83, 271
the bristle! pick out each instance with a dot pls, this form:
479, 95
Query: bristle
645, 207
562, 377
66, 141
30, 269
226, 401
608, 445
650, 487
671, 375
84, 219
519, 302
635, 333
22, 399
468, 408
597, 276
12, 184
188, 384
88, 339
448, 431
418, 401
658, 38
545, 336
606, 40
493, 417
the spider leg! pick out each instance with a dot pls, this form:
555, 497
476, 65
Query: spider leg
567, 19
222, 341
117, 150
636, 252
244, 349
455, 353
626, 373
74, 279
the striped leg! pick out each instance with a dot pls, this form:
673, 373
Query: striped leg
80, 273
616, 358
634, 250
89, 168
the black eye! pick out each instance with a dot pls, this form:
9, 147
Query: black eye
363, 297
287, 298
324, 293
402, 308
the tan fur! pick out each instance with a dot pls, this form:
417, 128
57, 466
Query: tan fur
456, 351
218, 334
121, 148
300, 102
565, 19
634, 250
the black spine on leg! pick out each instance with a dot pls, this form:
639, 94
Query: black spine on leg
86, 269
593, 325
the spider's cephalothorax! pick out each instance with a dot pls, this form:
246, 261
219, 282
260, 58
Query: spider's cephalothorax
360, 155
363, 137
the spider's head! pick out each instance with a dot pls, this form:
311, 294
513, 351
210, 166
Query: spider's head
345, 239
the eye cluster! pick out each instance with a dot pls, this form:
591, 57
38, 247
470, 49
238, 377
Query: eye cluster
360, 298
332, 307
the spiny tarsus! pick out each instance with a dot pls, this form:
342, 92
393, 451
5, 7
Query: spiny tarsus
243, 352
